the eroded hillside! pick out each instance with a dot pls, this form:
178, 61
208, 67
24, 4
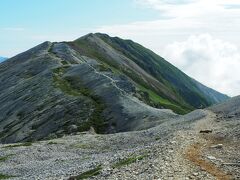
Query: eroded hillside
110, 84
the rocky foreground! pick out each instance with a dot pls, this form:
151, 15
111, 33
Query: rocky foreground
200, 145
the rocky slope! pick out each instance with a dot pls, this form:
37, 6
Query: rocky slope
229, 108
61, 88
173, 150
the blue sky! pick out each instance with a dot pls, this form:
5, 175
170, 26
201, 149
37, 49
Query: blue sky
68, 13
201, 37
26, 23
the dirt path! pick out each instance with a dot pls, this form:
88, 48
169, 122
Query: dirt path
202, 142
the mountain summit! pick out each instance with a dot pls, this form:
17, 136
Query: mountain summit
107, 83
149, 71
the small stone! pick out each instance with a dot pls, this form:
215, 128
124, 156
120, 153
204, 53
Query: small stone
72, 128
217, 146
211, 157
195, 174
206, 131
92, 130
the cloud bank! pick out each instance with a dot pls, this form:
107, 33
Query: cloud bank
211, 61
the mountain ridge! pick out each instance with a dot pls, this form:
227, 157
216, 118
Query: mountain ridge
171, 75
62, 88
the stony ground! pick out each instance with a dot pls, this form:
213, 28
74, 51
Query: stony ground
173, 150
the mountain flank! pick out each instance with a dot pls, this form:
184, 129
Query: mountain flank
107, 83
149, 71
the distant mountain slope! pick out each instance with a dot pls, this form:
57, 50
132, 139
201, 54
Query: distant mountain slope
2, 59
215, 97
149, 71
96, 81
230, 107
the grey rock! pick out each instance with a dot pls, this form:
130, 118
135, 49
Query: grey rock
72, 128
211, 157
217, 146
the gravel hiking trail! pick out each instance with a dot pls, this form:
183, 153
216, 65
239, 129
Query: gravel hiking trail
202, 142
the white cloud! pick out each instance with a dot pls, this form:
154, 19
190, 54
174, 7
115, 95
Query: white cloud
188, 8
182, 20
212, 61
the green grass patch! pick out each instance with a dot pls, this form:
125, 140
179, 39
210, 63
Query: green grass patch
4, 176
64, 62
19, 145
163, 102
4, 158
103, 67
60, 70
64, 86
127, 161
88, 174
67, 86
52, 142
153, 96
